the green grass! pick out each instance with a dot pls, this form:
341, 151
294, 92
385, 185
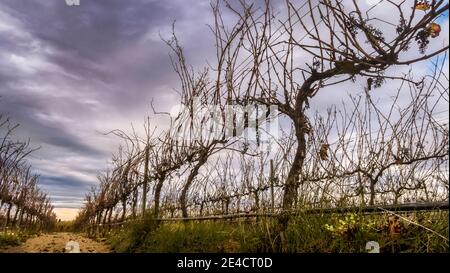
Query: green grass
13, 238
347, 233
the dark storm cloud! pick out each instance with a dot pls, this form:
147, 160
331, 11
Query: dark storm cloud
24, 109
93, 29
62, 183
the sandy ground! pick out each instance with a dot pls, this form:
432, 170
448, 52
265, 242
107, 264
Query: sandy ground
56, 243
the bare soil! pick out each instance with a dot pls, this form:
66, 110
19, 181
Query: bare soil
56, 243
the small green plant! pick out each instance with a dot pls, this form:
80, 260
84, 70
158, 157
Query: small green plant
349, 226
133, 235
351, 232
12, 238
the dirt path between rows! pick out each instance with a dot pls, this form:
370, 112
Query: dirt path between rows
56, 243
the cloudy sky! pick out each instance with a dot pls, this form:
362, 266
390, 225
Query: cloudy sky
69, 74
